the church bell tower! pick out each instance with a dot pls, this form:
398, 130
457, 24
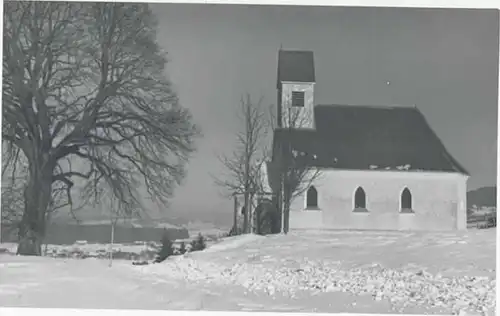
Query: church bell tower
295, 87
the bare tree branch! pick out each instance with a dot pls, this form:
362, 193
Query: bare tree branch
242, 167
293, 168
85, 98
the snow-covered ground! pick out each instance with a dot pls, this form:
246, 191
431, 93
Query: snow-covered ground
375, 272
83, 250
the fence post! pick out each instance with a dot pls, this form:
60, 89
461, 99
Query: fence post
112, 243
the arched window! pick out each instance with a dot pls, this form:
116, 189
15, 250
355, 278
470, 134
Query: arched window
312, 198
406, 200
359, 198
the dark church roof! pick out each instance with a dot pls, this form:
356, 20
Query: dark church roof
369, 137
297, 66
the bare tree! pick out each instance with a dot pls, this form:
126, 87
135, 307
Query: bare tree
291, 170
242, 166
86, 101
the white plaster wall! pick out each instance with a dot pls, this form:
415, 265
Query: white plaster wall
438, 199
462, 205
302, 117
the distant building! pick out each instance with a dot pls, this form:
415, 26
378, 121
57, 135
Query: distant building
382, 167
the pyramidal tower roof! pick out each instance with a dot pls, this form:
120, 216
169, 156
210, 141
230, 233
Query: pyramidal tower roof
295, 66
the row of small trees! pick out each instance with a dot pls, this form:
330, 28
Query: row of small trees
167, 247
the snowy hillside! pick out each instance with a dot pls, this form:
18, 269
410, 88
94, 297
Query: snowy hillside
376, 272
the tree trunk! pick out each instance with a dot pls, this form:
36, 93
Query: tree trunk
286, 216
281, 210
287, 198
245, 216
251, 214
37, 196
276, 218
258, 224
235, 215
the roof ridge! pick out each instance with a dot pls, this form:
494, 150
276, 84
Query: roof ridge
296, 50
392, 106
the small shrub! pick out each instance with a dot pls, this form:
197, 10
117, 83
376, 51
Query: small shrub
166, 249
200, 242
182, 248
193, 245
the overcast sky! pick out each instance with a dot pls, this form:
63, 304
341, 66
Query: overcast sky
445, 61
